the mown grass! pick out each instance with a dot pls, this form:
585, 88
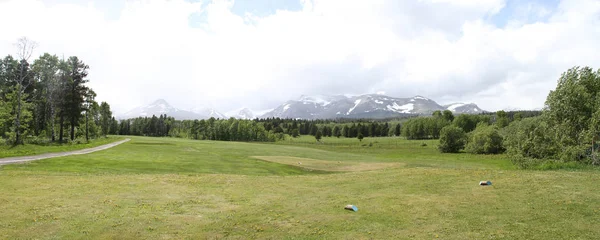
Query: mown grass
411, 152
33, 149
158, 188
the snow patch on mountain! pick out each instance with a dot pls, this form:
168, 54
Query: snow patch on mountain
406, 108
355, 105
453, 107
316, 99
286, 107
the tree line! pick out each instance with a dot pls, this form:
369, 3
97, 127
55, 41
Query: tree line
209, 129
47, 99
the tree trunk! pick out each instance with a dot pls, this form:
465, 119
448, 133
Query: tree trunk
18, 118
52, 123
72, 128
62, 127
87, 139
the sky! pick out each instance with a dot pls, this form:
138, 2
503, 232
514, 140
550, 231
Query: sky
499, 54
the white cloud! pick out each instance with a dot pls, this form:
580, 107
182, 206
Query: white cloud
446, 50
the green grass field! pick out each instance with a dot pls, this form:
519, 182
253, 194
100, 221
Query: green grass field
164, 188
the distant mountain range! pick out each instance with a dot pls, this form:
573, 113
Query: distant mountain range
364, 106
316, 107
161, 106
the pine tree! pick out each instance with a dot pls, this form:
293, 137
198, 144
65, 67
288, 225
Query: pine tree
75, 92
105, 118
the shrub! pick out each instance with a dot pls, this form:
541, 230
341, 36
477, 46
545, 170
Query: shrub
318, 136
468, 122
485, 139
452, 139
37, 140
530, 138
295, 133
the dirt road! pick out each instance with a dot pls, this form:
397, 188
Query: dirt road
10, 160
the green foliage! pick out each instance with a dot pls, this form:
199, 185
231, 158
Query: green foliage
19, 115
337, 132
105, 118
565, 131
397, 130
424, 128
469, 122
530, 139
517, 116
75, 91
211, 129
318, 136
448, 116
452, 139
485, 139
295, 133
46, 96
501, 119
360, 137
573, 110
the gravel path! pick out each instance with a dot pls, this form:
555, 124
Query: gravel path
10, 160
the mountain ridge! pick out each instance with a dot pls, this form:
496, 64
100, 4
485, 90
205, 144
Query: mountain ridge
315, 107
364, 106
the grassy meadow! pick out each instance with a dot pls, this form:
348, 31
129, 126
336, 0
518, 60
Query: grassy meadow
166, 188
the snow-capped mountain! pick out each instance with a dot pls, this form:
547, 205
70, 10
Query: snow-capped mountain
242, 113
315, 107
208, 112
363, 106
158, 108
470, 108
246, 113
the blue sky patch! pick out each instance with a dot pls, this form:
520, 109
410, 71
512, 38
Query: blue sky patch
262, 8
525, 12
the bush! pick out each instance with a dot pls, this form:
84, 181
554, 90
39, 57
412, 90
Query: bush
530, 138
37, 140
468, 122
295, 133
485, 139
452, 139
318, 136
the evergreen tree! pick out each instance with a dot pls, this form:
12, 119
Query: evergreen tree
75, 92
106, 118
318, 136
501, 119
336, 131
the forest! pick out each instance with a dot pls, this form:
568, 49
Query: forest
46, 100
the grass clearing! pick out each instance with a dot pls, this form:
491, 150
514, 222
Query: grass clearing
163, 188
333, 166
